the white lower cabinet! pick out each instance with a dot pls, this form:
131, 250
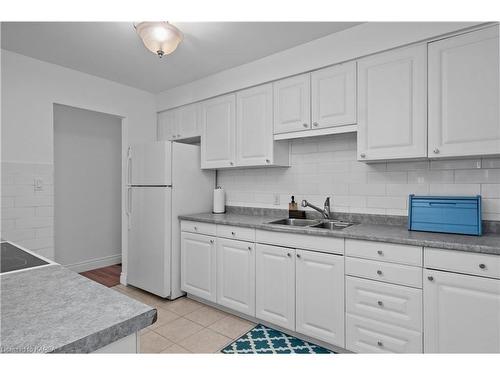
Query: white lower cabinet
320, 296
275, 285
461, 313
364, 335
198, 267
236, 275
382, 317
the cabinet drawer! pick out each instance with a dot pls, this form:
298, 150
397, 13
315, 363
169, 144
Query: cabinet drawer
458, 261
381, 271
237, 233
387, 252
364, 335
197, 227
331, 245
394, 304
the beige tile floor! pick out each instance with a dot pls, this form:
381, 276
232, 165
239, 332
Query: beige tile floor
186, 326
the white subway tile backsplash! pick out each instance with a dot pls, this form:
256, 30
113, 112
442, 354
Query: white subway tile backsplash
455, 189
367, 189
17, 212
27, 216
491, 206
34, 201
19, 234
387, 202
396, 190
483, 176
408, 165
456, 164
327, 165
490, 190
490, 163
430, 177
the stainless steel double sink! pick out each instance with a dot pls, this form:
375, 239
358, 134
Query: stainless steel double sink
311, 223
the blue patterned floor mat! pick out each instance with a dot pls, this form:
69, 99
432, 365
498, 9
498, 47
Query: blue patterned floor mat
264, 340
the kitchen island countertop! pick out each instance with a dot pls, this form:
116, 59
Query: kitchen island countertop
53, 309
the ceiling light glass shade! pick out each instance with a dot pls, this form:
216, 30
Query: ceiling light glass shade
161, 38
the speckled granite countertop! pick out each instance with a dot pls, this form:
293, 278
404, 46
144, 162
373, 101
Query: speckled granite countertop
53, 309
488, 243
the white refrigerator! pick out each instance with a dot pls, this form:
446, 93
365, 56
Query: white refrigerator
164, 181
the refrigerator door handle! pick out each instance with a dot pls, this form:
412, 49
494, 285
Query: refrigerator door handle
129, 166
129, 206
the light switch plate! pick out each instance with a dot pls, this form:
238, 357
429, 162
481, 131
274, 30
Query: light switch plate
38, 184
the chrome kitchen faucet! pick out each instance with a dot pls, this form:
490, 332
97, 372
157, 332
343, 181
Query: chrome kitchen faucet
326, 207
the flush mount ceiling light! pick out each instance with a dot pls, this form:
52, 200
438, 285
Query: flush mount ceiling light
161, 38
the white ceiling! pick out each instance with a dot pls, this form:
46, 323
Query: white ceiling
112, 50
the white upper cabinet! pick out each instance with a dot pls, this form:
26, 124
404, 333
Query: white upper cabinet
218, 139
392, 111
179, 123
461, 313
188, 121
167, 125
464, 95
333, 92
292, 104
320, 296
254, 126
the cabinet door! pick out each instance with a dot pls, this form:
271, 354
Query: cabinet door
167, 125
464, 95
275, 285
392, 112
218, 122
198, 267
320, 296
254, 126
236, 275
292, 104
333, 92
461, 313
188, 121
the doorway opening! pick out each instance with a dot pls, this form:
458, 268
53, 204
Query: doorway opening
87, 188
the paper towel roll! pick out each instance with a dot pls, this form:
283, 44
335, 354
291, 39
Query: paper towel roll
219, 201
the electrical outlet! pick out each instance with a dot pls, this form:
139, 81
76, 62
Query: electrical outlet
276, 199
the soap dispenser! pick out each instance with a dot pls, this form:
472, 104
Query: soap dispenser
293, 210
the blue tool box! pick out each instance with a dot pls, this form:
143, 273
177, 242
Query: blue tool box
460, 215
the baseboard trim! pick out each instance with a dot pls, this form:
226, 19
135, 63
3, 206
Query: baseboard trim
95, 263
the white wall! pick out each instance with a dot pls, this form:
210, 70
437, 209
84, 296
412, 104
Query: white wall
87, 186
29, 89
346, 45
327, 166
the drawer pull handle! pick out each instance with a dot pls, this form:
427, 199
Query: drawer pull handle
379, 272
288, 255
380, 303
233, 233
211, 241
482, 266
195, 228
305, 125
298, 255
249, 247
380, 252
430, 278
380, 343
